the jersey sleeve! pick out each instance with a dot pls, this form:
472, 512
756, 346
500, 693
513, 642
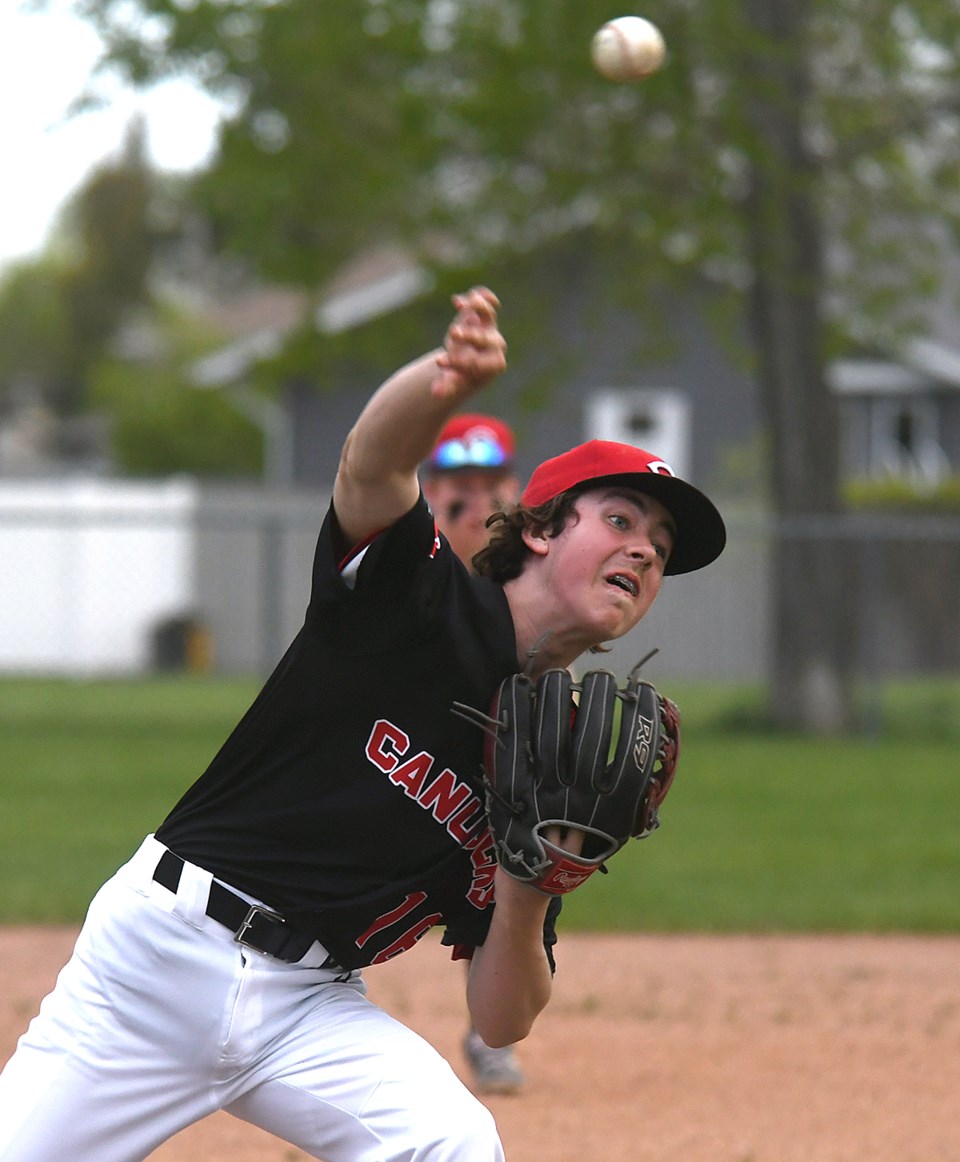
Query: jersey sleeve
463, 939
383, 588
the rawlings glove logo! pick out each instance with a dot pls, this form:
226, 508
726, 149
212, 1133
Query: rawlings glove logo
641, 744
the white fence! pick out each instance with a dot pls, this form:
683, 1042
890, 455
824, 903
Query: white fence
88, 569
91, 572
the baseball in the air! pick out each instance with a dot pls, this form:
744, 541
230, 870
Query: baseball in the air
628, 49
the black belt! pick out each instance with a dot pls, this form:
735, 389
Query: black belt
252, 925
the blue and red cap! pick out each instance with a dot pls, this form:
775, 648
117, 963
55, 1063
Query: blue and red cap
473, 441
701, 533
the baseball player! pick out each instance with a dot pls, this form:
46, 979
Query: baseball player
468, 476
221, 966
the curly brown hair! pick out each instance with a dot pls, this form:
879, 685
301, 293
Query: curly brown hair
504, 556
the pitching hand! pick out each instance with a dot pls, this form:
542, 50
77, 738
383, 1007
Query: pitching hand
474, 351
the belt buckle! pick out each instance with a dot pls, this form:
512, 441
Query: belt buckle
249, 920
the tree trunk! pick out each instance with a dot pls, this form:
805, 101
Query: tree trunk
813, 648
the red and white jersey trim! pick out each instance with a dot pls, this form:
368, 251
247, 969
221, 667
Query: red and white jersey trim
351, 562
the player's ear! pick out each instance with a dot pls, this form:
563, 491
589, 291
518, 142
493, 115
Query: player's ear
536, 539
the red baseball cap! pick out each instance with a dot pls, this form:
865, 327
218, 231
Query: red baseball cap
701, 534
474, 441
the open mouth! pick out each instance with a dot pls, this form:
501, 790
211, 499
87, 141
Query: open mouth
622, 581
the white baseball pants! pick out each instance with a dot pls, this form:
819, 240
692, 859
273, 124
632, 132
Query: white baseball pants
160, 1018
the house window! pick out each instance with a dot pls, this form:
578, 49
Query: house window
905, 440
657, 419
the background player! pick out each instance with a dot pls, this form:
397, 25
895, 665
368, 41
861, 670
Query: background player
220, 968
468, 477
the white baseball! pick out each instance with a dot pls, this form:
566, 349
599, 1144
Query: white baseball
628, 49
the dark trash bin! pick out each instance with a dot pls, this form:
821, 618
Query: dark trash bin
182, 643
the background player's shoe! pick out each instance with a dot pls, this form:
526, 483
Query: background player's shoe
494, 1070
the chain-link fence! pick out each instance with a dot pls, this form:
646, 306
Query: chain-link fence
115, 578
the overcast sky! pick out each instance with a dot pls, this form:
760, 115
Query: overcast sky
45, 60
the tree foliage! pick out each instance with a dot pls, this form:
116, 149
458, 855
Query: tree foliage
802, 153
58, 314
62, 315
162, 424
355, 119
33, 329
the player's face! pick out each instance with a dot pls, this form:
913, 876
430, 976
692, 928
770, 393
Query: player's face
462, 501
604, 570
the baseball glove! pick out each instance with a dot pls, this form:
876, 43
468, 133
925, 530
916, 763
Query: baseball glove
552, 762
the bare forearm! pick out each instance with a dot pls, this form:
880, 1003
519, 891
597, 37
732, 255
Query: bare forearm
377, 477
510, 980
395, 431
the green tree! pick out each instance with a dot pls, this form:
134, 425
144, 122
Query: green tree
33, 329
59, 314
161, 423
801, 153
112, 243
61, 317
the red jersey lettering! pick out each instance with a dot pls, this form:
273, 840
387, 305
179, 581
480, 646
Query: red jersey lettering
411, 774
464, 821
386, 744
445, 795
408, 939
413, 900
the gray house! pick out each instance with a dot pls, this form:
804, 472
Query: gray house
669, 381
665, 380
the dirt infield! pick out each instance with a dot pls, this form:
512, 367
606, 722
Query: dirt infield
668, 1049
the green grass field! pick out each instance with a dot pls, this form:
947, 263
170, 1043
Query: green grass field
761, 832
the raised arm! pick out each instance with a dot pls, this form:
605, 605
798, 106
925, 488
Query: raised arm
377, 478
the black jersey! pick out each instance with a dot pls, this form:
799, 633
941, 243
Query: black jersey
349, 795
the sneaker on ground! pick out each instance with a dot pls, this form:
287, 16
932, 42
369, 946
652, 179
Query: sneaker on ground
494, 1070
